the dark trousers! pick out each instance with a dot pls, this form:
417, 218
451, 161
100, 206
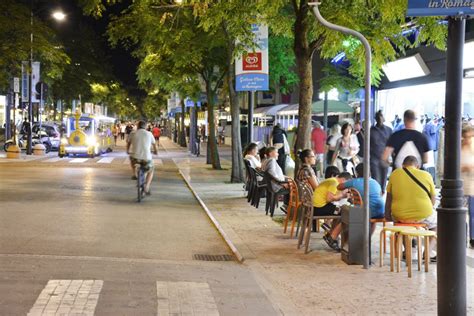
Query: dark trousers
281, 161
470, 206
379, 172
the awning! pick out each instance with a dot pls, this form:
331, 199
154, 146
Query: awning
334, 108
268, 110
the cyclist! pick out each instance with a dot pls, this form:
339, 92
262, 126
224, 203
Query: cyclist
138, 147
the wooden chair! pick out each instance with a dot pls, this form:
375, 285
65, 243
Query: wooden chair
293, 206
308, 216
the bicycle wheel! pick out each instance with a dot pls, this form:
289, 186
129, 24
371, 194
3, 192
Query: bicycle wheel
139, 184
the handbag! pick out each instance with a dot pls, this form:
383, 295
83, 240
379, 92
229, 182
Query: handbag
286, 145
417, 182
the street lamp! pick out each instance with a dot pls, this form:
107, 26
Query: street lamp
59, 16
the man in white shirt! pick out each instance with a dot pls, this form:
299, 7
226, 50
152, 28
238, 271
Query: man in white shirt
139, 145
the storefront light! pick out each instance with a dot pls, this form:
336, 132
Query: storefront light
406, 68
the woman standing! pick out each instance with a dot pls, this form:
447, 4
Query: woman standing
347, 147
278, 141
467, 173
331, 142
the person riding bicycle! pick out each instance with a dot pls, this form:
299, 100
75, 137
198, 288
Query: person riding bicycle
138, 147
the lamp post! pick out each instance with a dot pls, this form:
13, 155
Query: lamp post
59, 16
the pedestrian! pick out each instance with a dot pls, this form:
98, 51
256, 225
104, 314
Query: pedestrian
379, 135
157, 133
123, 126
347, 148
467, 173
406, 142
331, 142
318, 140
279, 138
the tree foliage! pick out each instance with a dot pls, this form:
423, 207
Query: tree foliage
15, 43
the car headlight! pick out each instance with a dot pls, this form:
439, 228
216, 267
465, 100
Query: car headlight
91, 141
64, 141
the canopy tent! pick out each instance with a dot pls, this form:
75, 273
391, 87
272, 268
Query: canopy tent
334, 108
268, 110
288, 116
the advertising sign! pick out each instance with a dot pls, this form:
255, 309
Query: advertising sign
24, 82
35, 78
251, 68
16, 85
440, 7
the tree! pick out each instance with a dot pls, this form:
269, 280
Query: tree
15, 43
282, 66
382, 22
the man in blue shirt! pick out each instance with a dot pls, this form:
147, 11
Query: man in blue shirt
376, 201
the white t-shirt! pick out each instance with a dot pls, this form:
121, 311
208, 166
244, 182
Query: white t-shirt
122, 128
254, 162
141, 142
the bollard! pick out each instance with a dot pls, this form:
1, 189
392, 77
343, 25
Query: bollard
13, 152
39, 150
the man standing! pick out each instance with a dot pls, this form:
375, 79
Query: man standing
139, 145
406, 142
379, 135
318, 140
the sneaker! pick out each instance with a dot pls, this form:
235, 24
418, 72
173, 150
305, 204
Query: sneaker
433, 259
134, 178
326, 227
333, 244
147, 192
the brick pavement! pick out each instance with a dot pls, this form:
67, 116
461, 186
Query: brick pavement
316, 283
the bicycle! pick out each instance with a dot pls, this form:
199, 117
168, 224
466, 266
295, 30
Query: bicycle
140, 171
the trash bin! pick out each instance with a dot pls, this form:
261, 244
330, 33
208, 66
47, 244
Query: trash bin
352, 235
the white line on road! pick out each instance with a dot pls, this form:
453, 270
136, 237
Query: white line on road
68, 297
55, 159
185, 298
78, 160
106, 160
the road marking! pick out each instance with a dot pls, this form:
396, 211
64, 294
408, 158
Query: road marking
185, 298
78, 160
106, 160
68, 297
55, 159
158, 161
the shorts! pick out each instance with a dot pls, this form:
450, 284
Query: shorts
431, 221
147, 164
327, 210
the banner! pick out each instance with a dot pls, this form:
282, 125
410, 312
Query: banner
24, 82
251, 68
35, 78
440, 7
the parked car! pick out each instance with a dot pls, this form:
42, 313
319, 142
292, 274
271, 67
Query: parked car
49, 130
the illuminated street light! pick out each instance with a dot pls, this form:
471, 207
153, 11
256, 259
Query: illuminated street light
59, 15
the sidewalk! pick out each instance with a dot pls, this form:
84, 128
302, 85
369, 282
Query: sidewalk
316, 283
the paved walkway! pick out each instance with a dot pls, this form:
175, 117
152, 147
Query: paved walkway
318, 283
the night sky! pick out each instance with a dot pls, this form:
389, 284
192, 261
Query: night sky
123, 64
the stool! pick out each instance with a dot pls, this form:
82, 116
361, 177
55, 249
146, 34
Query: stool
384, 222
416, 225
393, 250
408, 235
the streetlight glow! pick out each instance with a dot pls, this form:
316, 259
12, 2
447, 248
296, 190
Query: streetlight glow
59, 15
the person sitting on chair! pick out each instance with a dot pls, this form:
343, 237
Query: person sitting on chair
306, 172
324, 196
271, 166
376, 202
411, 196
251, 154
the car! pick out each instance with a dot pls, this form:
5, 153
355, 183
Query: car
49, 130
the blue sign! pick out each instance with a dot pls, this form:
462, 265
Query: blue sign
440, 7
252, 82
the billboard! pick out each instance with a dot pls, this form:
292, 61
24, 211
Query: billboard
440, 7
251, 68
35, 78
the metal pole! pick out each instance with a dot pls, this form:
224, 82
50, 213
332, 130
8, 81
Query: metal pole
8, 106
250, 118
29, 150
451, 254
368, 62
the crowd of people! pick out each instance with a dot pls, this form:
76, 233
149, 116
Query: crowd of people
401, 187
122, 130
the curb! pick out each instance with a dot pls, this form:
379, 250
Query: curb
214, 221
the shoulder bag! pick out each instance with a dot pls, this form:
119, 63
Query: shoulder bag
417, 182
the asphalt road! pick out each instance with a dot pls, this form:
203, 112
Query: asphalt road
78, 221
